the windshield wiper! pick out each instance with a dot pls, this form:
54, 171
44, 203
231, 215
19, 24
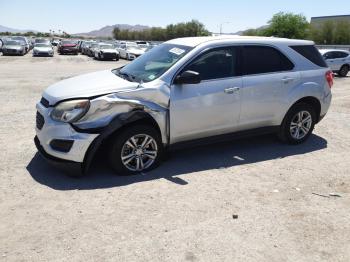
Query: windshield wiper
126, 76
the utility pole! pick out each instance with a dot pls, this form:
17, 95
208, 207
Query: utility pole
222, 25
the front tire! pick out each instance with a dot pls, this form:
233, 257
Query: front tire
298, 124
136, 149
344, 70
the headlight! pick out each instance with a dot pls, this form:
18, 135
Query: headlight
70, 111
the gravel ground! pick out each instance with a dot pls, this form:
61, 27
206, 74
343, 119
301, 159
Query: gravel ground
184, 210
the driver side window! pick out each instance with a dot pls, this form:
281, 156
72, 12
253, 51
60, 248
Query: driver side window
215, 64
329, 55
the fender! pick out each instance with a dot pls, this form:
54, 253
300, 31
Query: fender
109, 113
309, 89
117, 123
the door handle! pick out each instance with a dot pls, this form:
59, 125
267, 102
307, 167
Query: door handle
286, 80
231, 90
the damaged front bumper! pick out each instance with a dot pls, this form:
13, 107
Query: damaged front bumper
60, 143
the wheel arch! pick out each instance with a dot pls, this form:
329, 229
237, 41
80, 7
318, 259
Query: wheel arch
310, 100
118, 124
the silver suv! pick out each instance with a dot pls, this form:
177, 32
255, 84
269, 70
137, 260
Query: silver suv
337, 60
188, 89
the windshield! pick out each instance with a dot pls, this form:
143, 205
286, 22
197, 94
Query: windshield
41, 41
69, 43
133, 47
42, 45
12, 43
106, 46
154, 63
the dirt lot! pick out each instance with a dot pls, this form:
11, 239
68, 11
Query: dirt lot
183, 211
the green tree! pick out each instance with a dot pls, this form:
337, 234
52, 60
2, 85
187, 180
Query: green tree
192, 28
288, 25
342, 33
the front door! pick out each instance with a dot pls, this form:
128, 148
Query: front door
211, 107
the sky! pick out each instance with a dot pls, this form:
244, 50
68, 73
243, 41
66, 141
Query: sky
78, 16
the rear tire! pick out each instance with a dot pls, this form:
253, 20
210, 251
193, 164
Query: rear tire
298, 124
344, 70
136, 149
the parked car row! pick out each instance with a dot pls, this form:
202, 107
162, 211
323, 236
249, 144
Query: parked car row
114, 50
20, 45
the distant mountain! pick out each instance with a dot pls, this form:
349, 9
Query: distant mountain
107, 31
259, 28
12, 30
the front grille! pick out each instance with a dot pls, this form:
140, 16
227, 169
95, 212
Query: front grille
45, 102
40, 121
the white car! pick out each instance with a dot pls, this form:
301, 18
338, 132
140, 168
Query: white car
106, 51
184, 91
43, 49
130, 50
337, 60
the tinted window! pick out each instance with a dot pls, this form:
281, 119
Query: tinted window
311, 53
329, 55
264, 59
341, 54
215, 64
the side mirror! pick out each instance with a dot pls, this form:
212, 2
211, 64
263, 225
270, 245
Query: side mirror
188, 77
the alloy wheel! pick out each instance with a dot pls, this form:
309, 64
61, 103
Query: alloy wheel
300, 125
139, 152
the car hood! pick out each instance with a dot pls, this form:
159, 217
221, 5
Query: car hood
13, 47
42, 49
136, 51
88, 85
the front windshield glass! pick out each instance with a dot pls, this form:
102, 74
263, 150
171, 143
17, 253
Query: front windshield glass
42, 45
129, 47
105, 46
67, 42
154, 63
12, 43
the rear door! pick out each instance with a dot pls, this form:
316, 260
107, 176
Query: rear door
267, 78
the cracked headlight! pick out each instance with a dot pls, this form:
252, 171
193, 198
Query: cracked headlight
70, 111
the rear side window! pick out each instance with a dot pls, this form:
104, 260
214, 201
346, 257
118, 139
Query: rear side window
311, 53
341, 55
329, 55
264, 59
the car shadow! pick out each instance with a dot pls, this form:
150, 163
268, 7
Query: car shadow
178, 163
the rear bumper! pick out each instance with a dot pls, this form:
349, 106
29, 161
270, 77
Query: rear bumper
325, 104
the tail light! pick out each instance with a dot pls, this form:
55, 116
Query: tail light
329, 78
